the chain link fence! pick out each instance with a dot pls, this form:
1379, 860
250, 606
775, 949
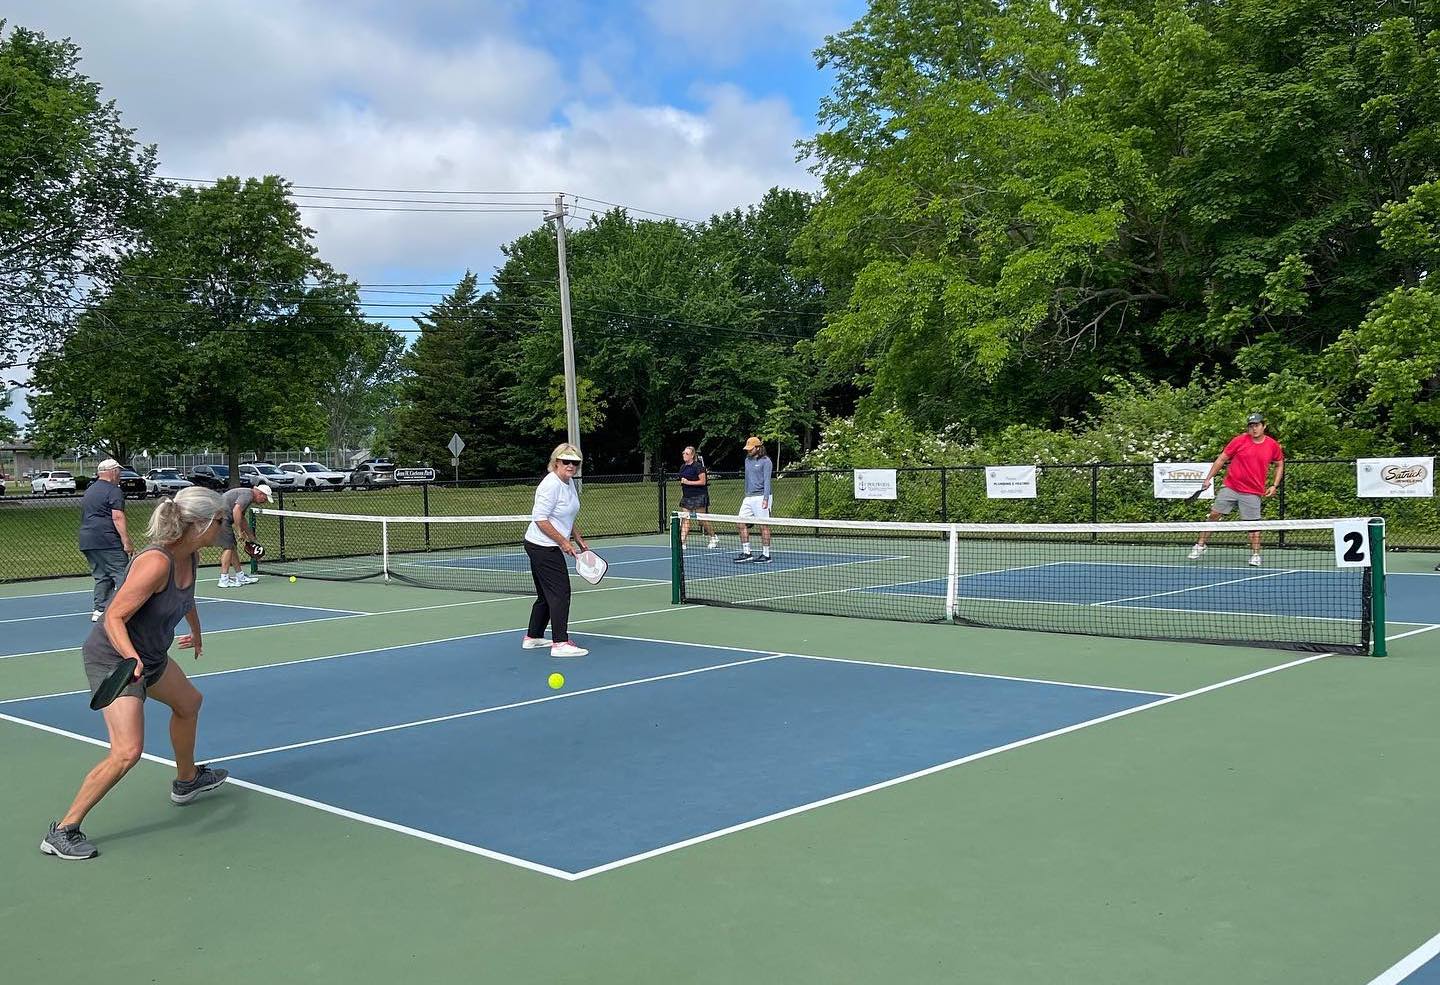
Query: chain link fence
37, 535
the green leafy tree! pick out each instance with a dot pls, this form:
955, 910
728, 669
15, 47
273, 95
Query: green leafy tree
1024, 198
366, 390
458, 371
223, 329
75, 188
9, 429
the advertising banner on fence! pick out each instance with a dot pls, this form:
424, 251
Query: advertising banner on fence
1407, 477
1179, 480
875, 484
1010, 481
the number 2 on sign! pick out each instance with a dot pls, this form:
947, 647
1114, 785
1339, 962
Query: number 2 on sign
1352, 544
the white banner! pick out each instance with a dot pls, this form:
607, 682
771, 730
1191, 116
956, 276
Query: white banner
1010, 481
875, 484
1178, 480
1406, 477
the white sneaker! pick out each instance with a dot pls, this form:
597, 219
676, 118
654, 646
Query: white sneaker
245, 579
1196, 551
96, 616
225, 582
1254, 560
533, 643
567, 649
714, 543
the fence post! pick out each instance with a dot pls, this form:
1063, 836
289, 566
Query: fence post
1282, 512
660, 519
1095, 497
944, 495
425, 505
816, 477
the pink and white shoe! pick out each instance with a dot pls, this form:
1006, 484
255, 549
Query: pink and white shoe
534, 643
567, 648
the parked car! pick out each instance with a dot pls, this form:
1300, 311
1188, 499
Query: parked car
132, 484
215, 477
2, 485
371, 473
166, 482
46, 483
258, 472
313, 475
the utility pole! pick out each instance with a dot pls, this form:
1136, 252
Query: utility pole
572, 405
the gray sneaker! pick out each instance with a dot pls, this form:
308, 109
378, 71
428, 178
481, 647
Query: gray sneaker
184, 791
67, 842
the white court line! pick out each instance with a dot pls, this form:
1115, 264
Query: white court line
489, 600
895, 781
486, 711
376, 649
888, 666
523, 863
666, 849
1409, 964
1195, 588
281, 605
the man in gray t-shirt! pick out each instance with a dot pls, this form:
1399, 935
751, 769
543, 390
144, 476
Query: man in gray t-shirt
237, 523
104, 538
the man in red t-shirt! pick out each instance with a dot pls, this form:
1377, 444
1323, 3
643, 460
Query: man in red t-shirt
1249, 457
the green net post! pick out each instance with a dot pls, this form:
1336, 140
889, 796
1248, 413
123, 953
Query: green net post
254, 564
1377, 587
676, 559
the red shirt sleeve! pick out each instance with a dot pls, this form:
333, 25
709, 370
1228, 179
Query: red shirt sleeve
1236, 443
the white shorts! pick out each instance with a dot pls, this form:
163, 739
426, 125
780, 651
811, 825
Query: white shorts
751, 508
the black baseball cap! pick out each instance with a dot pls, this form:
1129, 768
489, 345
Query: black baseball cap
1255, 419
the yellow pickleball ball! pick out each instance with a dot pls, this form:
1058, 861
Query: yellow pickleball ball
292, 579
557, 681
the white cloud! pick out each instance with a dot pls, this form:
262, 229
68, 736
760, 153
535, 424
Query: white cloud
383, 96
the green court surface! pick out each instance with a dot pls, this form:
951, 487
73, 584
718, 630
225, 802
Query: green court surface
1273, 822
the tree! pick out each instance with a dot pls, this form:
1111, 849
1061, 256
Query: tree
366, 390
459, 370
9, 430
1025, 197
224, 328
75, 188
80, 391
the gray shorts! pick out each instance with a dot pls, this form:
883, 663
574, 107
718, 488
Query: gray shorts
99, 664
226, 540
1227, 499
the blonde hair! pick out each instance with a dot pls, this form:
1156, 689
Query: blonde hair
190, 507
565, 450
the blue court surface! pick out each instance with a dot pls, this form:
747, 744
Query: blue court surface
1321, 594
646, 562
1419, 967
61, 620
650, 744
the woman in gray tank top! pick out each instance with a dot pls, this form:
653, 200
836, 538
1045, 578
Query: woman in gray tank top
140, 623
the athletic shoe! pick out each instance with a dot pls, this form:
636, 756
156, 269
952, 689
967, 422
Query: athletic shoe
567, 649
714, 543
745, 558
245, 579
96, 616
184, 791
1254, 560
225, 582
764, 559
1196, 551
68, 842
533, 643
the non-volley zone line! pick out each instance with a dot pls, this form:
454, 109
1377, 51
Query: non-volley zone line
761, 659
355, 614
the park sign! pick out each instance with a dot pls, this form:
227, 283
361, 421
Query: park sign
415, 475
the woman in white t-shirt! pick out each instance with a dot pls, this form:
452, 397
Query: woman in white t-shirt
547, 541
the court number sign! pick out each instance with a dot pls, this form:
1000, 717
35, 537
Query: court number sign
1352, 544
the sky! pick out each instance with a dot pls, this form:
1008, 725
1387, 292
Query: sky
679, 107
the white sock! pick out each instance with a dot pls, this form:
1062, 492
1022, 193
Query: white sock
745, 548
765, 551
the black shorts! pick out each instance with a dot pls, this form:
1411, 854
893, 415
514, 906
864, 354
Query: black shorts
701, 503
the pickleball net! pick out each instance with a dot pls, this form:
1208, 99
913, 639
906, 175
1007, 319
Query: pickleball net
1134, 580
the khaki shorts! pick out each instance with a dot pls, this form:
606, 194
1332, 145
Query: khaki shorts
1227, 499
